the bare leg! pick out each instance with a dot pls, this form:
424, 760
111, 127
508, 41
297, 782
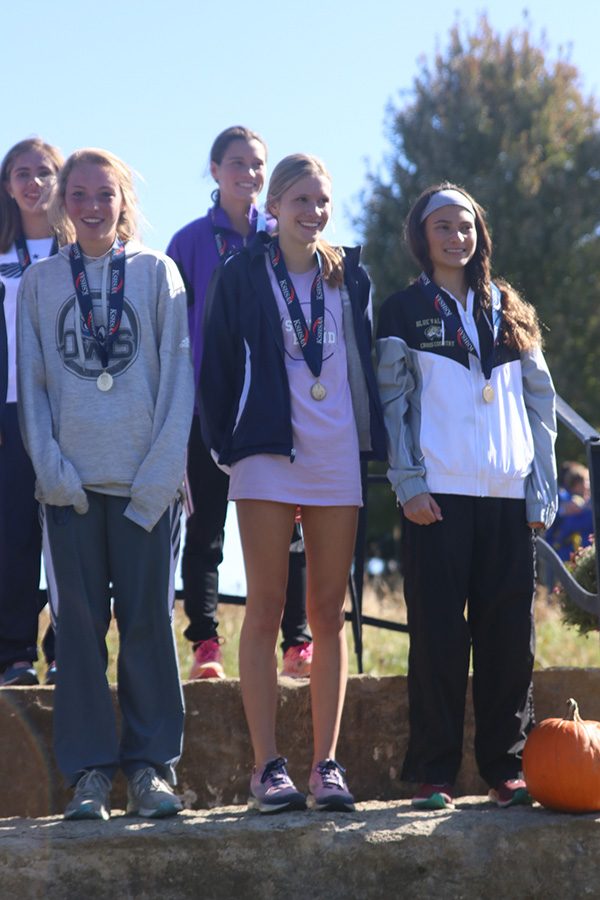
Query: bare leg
329, 537
265, 532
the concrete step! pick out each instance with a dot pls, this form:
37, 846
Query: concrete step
215, 766
383, 850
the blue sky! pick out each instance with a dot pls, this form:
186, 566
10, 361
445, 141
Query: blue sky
156, 81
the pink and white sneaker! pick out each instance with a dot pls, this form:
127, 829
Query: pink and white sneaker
328, 789
208, 660
297, 661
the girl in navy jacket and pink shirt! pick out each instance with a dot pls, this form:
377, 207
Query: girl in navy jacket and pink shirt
289, 403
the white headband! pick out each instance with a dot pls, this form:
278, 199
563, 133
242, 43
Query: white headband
448, 197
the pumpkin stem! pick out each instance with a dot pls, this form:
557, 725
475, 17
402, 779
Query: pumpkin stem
573, 710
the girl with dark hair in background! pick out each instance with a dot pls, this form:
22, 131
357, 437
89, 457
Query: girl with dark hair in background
238, 160
3, 353
27, 176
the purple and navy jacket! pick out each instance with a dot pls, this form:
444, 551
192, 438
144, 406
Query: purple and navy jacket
194, 249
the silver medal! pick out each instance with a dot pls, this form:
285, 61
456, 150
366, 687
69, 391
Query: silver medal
488, 393
318, 391
104, 381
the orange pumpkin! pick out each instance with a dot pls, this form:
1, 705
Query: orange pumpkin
561, 763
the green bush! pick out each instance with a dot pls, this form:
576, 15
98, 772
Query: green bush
582, 567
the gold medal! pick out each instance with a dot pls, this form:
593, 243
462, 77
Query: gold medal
318, 391
488, 393
104, 381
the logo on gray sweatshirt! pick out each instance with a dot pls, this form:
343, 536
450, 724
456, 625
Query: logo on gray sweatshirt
78, 348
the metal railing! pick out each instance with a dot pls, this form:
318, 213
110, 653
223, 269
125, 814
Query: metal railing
589, 437
590, 602
357, 576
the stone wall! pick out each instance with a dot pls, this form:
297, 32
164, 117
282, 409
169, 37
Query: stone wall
215, 766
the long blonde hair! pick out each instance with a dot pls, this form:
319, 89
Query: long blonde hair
285, 174
127, 226
10, 217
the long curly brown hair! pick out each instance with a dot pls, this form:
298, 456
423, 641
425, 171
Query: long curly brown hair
520, 325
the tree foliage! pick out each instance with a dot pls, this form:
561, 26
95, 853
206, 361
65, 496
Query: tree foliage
493, 113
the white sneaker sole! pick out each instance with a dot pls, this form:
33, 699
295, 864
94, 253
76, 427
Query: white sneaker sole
83, 812
331, 804
162, 811
268, 808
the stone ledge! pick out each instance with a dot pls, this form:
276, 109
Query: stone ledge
383, 850
215, 766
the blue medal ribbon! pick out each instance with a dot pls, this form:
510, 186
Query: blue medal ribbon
104, 338
455, 328
310, 338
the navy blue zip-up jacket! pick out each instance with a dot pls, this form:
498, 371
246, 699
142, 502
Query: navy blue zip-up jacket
244, 391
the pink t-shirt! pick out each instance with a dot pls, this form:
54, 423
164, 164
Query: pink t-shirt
326, 469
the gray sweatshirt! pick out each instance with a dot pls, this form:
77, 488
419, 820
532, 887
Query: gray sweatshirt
129, 441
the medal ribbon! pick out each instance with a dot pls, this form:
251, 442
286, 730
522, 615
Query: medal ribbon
23, 251
455, 328
309, 339
221, 239
104, 339
221, 236
221, 242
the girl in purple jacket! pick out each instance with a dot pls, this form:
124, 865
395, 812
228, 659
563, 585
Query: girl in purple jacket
238, 159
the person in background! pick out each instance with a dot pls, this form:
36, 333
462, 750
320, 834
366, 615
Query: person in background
105, 404
27, 175
238, 160
289, 401
3, 354
470, 413
573, 526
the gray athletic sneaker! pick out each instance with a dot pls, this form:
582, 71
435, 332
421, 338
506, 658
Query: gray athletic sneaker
91, 798
150, 796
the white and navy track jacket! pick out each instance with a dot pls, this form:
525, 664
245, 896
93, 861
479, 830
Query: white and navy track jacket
442, 435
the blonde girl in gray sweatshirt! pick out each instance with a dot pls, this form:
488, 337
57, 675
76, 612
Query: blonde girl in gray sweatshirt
105, 404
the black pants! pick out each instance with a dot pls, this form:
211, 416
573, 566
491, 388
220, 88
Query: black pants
20, 550
481, 555
203, 552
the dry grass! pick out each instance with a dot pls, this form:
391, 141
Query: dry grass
386, 652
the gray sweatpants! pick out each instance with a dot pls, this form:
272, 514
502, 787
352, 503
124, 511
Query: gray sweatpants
85, 556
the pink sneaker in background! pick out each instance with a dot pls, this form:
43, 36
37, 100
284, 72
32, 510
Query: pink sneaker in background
297, 661
208, 660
